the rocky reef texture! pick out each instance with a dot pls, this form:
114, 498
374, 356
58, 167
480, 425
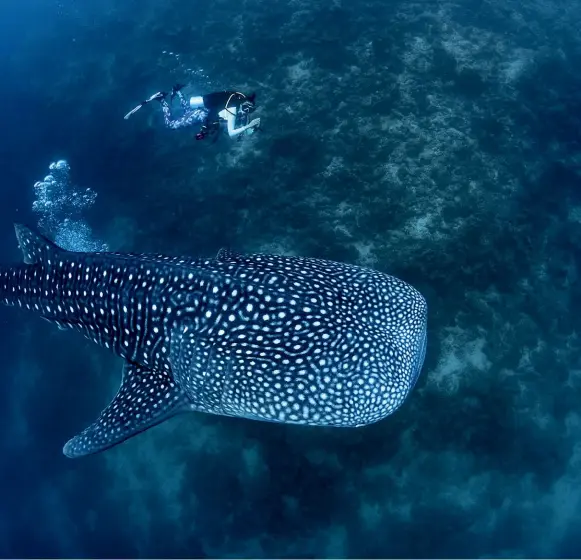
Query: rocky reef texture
438, 141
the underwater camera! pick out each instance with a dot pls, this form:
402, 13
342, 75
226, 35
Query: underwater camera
207, 129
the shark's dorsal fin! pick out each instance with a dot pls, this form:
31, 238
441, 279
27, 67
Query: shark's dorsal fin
34, 246
145, 398
226, 254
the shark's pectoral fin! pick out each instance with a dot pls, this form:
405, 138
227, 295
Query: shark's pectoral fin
145, 398
60, 324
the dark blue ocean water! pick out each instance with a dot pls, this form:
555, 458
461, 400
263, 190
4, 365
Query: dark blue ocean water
437, 141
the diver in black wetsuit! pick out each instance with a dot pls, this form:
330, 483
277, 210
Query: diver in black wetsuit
211, 110
228, 106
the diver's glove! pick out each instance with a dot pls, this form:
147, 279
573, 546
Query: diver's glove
255, 124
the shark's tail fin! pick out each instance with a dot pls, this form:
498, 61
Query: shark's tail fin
34, 246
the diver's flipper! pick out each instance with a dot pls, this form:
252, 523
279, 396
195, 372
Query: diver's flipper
135, 109
145, 398
156, 96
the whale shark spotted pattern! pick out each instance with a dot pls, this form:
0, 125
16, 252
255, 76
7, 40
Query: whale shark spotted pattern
265, 337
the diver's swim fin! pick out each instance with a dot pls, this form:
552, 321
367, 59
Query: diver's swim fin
134, 110
159, 95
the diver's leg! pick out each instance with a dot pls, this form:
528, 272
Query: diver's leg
198, 116
183, 102
188, 119
169, 122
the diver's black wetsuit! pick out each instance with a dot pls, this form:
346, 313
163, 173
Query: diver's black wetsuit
208, 115
216, 101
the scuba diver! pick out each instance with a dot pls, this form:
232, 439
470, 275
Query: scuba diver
231, 107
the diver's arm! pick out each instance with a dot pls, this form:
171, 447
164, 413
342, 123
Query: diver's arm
231, 122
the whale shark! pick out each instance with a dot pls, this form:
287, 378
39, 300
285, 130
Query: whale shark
274, 338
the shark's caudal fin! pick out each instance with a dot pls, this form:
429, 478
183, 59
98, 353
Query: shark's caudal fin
33, 245
145, 398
